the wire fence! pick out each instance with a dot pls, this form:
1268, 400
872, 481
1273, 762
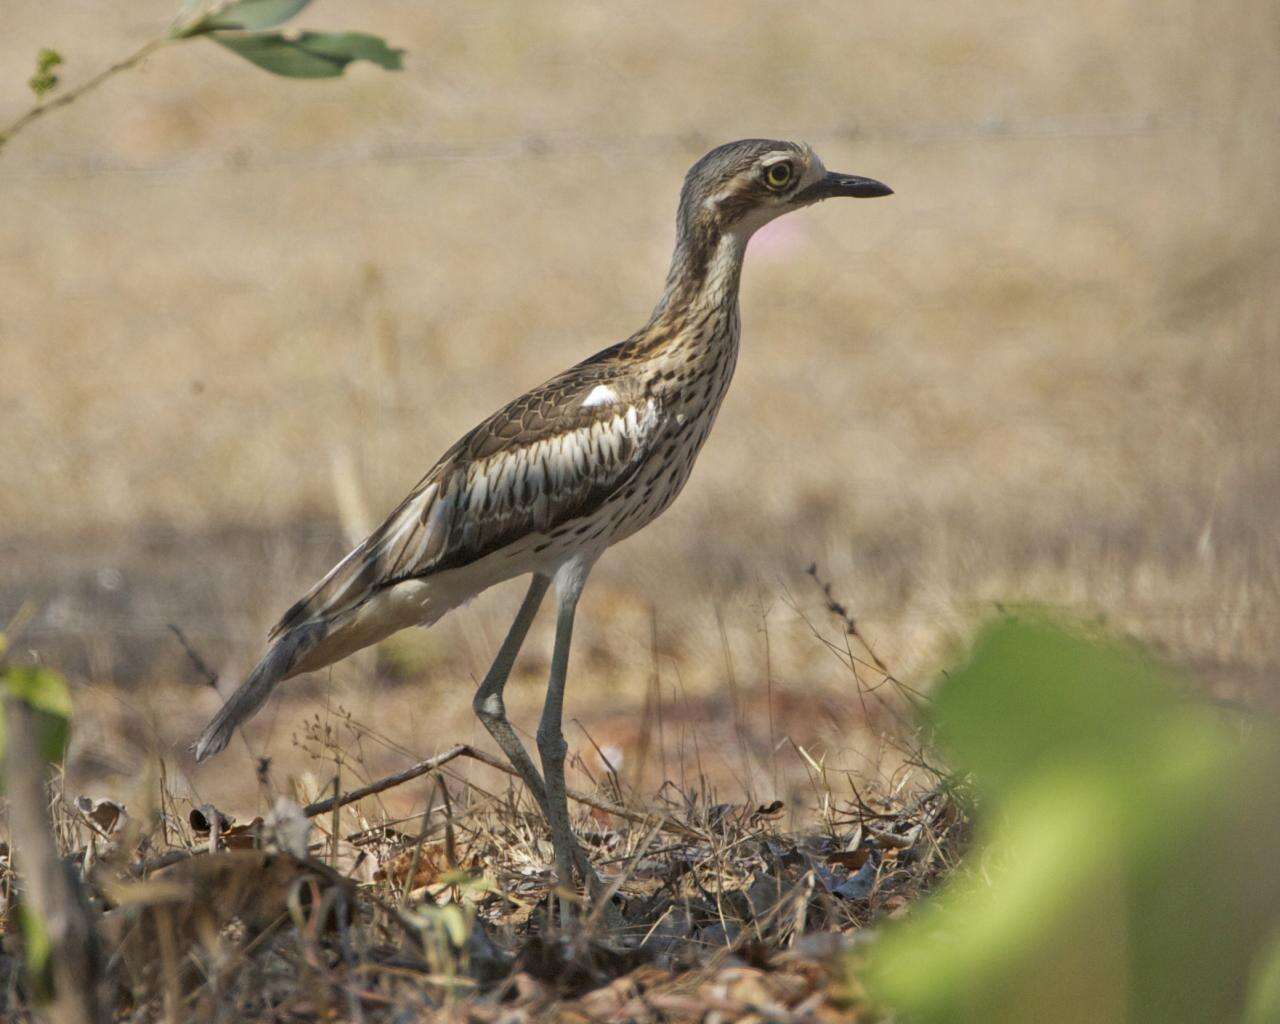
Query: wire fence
79, 626
535, 146
547, 145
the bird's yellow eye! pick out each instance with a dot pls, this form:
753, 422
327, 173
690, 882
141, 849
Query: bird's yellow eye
778, 176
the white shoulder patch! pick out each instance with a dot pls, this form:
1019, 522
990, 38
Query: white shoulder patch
601, 394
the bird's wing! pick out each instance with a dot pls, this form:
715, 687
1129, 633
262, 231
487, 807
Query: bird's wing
552, 455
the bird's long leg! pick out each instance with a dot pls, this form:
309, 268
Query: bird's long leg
488, 703
551, 743
492, 712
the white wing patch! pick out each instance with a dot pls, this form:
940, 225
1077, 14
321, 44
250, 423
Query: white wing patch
601, 394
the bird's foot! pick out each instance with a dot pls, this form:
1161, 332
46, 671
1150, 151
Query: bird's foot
598, 907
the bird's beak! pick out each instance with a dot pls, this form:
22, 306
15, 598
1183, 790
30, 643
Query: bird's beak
833, 184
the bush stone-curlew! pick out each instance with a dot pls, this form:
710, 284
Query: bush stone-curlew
543, 486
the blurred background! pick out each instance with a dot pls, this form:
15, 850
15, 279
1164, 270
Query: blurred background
242, 315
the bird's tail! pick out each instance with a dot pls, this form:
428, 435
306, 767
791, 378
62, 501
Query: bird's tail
278, 663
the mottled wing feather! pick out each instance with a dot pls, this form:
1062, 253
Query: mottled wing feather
542, 461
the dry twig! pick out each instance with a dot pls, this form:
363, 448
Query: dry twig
466, 750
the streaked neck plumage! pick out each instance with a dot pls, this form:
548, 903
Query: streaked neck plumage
696, 319
705, 267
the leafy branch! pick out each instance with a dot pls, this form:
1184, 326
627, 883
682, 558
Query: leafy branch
70, 96
239, 26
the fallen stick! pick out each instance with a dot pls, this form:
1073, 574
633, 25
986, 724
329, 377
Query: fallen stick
387, 782
666, 824
466, 750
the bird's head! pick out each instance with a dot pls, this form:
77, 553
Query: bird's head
741, 186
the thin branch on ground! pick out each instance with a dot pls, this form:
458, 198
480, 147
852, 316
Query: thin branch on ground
466, 750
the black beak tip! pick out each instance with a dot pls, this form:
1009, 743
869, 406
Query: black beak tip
864, 188
836, 184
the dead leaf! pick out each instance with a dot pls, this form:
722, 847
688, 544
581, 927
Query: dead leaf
725, 815
196, 899
106, 815
231, 835
614, 1000
893, 841
851, 859
243, 837
431, 863
206, 818
897, 906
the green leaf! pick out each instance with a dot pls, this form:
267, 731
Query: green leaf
1263, 1004
42, 688
46, 693
247, 15
1124, 859
1033, 694
310, 54
455, 924
37, 949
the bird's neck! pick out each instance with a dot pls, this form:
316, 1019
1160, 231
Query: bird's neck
696, 321
705, 269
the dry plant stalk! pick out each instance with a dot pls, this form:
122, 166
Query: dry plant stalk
51, 892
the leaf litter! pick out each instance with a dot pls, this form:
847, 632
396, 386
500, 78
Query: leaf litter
334, 910
714, 911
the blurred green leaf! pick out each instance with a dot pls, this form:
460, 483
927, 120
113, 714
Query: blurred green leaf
1032, 695
200, 16
311, 54
1264, 994
451, 922
46, 693
36, 952
1124, 868
455, 924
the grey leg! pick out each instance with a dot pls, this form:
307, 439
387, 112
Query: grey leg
492, 712
488, 704
551, 743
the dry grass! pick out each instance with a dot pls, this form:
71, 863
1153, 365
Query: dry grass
238, 310
450, 913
